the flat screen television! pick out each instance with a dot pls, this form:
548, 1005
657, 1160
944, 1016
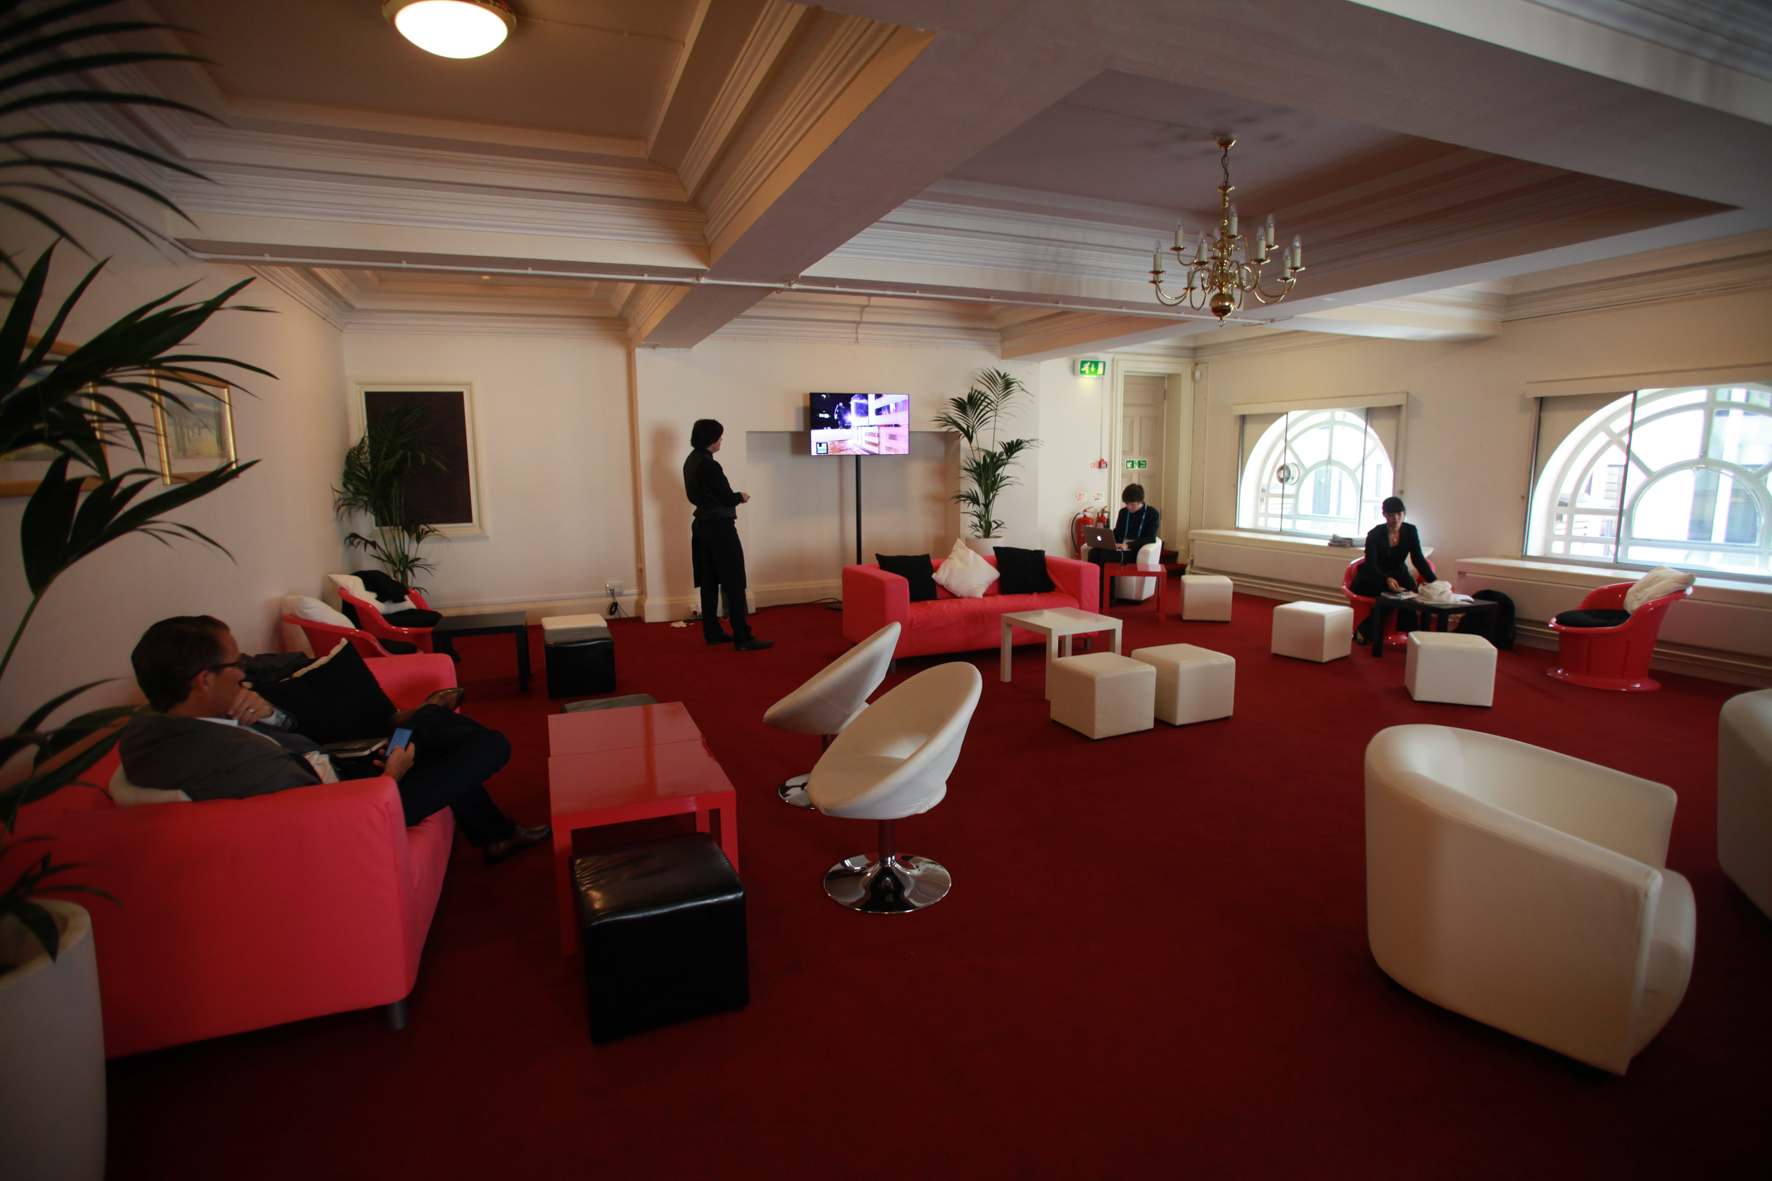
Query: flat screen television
861, 424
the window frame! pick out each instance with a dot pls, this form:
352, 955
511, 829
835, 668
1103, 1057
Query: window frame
1638, 478
1330, 407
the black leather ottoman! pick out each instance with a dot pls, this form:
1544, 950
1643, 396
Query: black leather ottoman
581, 669
663, 934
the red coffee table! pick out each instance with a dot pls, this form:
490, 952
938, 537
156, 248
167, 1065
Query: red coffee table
1160, 573
613, 766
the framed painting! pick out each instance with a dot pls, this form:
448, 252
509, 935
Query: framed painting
22, 470
195, 426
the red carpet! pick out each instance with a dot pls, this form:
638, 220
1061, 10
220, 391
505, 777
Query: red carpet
1153, 963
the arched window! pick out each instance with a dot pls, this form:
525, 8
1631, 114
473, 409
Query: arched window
1674, 477
1317, 473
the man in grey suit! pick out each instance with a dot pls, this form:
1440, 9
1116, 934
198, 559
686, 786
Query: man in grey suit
212, 738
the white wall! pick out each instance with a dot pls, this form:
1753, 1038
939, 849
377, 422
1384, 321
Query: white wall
1470, 427
1073, 416
798, 530
551, 446
276, 519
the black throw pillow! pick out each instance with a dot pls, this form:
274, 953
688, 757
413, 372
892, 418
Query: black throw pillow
1593, 617
1022, 572
334, 699
915, 569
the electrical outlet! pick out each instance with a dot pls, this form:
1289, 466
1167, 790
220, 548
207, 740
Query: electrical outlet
612, 589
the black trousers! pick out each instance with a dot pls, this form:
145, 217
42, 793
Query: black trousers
719, 566
453, 757
1375, 584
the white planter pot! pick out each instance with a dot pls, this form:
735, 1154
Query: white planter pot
52, 1047
984, 547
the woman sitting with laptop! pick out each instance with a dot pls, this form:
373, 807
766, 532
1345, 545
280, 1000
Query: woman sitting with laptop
1135, 528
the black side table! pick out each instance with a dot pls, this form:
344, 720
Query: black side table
494, 623
1388, 603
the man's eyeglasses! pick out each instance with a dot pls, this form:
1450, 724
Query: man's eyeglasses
215, 668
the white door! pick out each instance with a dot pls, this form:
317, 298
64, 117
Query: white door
1142, 403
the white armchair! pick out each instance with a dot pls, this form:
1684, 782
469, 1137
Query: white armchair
834, 697
891, 762
1744, 794
1526, 889
1141, 588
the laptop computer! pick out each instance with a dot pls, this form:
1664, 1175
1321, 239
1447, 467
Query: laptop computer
1095, 537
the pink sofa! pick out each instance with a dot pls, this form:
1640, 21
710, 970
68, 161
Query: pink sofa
241, 914
873, 598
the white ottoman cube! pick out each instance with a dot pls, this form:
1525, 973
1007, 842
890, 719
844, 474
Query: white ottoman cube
1313, 631
573, 629
1102, 694
1206, 596
1193, 684
1451, 667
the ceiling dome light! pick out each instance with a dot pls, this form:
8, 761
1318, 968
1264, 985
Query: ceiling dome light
452, 28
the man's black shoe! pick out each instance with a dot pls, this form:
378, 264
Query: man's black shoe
752, 645
518, 841
724, 639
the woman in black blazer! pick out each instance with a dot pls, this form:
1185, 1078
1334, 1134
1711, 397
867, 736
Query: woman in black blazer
1390, 548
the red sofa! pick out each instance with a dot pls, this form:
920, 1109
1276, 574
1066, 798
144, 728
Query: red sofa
240, 914
873, 598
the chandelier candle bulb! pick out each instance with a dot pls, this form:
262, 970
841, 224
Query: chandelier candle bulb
1180, 237
1297, 254
1270, 231
1233, 221
1157, 261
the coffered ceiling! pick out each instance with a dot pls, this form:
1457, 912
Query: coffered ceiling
668, 169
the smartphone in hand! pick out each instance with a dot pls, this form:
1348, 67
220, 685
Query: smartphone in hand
401, 737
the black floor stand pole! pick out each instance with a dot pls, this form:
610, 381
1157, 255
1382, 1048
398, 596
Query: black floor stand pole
858, 510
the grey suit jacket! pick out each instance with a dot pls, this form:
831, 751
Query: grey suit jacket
210, 761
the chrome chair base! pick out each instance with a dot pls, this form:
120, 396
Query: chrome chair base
793, 792
897, 884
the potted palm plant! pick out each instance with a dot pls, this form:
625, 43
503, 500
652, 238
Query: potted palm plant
373, 485
985, 463
76, 407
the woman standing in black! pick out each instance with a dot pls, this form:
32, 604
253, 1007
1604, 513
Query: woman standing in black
1390, 549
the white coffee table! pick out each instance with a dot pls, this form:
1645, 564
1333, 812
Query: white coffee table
1058, 625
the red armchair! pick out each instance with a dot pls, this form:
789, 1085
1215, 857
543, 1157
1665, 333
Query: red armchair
1612, 657
1363, 606
370, 619
324, 637
873, 598
241, 914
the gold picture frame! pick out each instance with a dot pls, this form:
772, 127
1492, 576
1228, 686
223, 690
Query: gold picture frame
195, 427
22, 470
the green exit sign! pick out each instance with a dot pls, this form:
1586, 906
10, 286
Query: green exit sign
1091, 367
1135, 464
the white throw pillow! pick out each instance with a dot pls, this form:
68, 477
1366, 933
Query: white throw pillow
303, 607
127, 795
352, 584
965, 575
1663, 580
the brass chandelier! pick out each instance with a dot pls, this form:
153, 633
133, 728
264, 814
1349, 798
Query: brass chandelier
1227, 266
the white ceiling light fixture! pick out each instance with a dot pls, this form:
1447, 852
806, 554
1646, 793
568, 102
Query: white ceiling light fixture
452, 28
